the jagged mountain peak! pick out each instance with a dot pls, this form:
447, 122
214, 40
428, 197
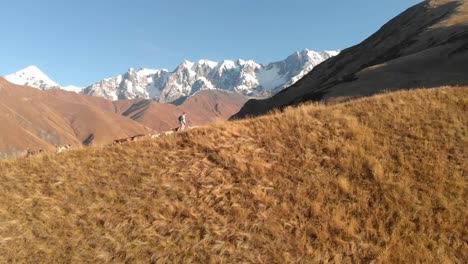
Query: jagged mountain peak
243, 76
209, 63
247, 62
187, 64
306, 53
32, 69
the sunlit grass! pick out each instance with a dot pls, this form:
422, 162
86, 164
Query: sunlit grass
382, 178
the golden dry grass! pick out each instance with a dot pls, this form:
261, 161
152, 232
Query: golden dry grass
379, 179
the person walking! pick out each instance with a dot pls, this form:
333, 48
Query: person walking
182, 122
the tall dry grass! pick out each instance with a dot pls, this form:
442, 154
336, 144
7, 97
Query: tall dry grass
381, 179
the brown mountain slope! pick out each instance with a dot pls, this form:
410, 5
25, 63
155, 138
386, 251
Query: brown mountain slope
213, 104
34, 119
160, 117
202, 108
92, 101
425, 46
377, 180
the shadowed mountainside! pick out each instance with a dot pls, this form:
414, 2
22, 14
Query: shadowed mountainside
425, 46
380, 179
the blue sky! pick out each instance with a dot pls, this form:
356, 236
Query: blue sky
82, 41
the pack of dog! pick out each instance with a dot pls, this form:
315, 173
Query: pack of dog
151, 136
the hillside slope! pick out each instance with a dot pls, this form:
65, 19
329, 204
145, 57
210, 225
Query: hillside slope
382, 178
425, 46
35, 119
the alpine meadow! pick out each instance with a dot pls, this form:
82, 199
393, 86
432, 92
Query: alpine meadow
380, 179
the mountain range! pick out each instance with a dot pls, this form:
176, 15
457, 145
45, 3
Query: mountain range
205, 90
243, 76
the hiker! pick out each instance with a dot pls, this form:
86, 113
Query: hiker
182, 122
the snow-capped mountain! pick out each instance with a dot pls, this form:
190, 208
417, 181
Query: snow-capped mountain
246, 77
243, 76
279, 75
144, 83
32, 76
72, 88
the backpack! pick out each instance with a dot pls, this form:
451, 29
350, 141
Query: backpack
181, 118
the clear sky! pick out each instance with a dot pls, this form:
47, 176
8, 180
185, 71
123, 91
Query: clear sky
80, 42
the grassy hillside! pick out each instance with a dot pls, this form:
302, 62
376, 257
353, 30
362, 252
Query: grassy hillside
382, 178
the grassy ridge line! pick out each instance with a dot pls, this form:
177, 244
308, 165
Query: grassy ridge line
381, 178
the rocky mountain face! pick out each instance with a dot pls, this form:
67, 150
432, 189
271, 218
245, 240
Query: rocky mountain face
243, 76
425, 46
144, 83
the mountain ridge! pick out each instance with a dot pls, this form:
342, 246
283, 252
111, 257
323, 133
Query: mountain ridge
244, 76
425, 46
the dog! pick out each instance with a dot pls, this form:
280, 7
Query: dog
30, 152
170, 132
153, 136
137, 137
59, 149
122, 140
128, 139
